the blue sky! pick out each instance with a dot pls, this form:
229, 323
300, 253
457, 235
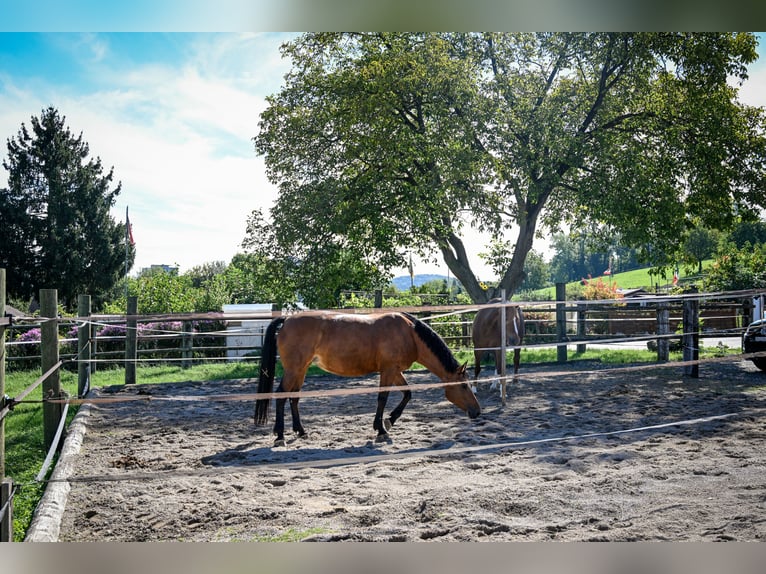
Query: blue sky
175, 114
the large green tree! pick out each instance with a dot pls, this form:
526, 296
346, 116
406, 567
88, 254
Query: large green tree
314, 272
381, 142
56, 228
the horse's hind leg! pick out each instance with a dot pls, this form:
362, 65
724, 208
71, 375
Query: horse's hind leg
377, 424
288, 384
279, 422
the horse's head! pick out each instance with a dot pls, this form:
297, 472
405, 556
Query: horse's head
461, 395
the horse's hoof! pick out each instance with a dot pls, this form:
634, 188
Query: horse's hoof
387, 424
383, 437
279, 442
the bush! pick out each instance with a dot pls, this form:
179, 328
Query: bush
736, 269
599, 290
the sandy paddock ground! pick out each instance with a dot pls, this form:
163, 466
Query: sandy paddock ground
199, 470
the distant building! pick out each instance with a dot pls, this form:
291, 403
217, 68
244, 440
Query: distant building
245, 336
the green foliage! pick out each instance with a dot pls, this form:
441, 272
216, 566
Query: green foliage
25, 445
735, 269
700, 244
313, 273
164, 291
753, 232
381, 141
56, 228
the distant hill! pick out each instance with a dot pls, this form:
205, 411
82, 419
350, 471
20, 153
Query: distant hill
403, 283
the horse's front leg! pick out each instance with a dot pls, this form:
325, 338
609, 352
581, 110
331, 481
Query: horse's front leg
477, 355
297, 426
406, 396
499, 358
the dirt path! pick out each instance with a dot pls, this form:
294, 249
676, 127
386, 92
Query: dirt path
200, 470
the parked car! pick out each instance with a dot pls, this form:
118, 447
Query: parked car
754, 341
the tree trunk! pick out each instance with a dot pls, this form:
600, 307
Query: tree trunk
514, 275
456, 258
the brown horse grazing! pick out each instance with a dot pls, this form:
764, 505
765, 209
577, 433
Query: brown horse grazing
353, 346
486, 334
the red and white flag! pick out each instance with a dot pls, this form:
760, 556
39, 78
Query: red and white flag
129, 228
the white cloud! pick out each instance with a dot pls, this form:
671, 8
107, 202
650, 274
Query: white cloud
179, 139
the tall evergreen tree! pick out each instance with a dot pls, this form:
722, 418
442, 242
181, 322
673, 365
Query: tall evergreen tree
57, 231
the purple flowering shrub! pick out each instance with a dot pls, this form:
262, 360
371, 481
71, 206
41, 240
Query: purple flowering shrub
162, 337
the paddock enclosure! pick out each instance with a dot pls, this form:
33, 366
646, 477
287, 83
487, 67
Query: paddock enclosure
582, 451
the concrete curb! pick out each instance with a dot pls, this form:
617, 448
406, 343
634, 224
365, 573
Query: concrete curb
46, 521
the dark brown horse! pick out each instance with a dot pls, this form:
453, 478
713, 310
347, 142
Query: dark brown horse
353, 346
486, 335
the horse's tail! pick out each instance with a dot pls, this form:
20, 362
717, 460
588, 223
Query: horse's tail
268, 365
521, 329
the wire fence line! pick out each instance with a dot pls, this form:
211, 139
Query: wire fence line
594, 322
497, 447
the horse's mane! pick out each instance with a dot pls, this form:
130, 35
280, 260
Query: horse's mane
435, 343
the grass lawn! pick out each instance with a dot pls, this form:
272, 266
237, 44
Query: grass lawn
638, 278
24, 442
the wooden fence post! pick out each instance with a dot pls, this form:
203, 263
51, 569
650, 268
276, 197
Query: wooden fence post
691, 338
6, 484
378, 298
663, 330
83, 346
49, 352
6, 502
2, 376
131, 346
581, 328
503, 349
561, 322
187, 344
